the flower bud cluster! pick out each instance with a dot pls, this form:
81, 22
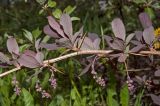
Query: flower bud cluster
15, 83
53, 81
98, 79
43, 92
131, 86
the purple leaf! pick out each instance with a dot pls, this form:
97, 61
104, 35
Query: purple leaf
12, 45
117, 44
96, 43
85, 70
79, 33
88, 44
28, 61
64, 42
47, 30
118, 28
4, 65
137, 48
145, 20
39, 57
93, 36
30, 53
122, 57
148, 35
155, 98
139, 35
52, 46
3, 58
66, 23
135, 42
108, 39
157, 73
56, 26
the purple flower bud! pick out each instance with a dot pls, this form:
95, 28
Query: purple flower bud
45, 94
53, 82
17, 90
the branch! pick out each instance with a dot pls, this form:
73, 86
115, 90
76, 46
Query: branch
10, 71
79, 53
63, 57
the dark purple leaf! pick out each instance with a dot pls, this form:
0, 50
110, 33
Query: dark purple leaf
4, 65
52, 46
157, 73
122, 57
85, 70
115, 55
137, 48
79, 33
145, 20
77, 36
118, 28
12, 45
96, 43
117, 44
3, 58
108, 38
64, 42
28, 61
88, 44
139, 35
93, 36
47, 30
135, 42
148, 35
56, 26
155, 98
66, 23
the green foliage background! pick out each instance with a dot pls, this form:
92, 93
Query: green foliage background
22, 18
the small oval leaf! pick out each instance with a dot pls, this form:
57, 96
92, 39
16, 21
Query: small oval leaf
12, 45
118, 28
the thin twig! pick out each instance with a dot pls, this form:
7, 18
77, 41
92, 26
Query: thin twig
62, 58
10, 71
79, 53
137, 70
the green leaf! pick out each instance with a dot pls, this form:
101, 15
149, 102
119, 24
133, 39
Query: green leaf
45, 80
24, 47
124, 96
150, 12
69, 9
36, 33
139, 1
28, 35
41, 2
139, 98
45, 39
41, 11
51, 3
110, 100
27, 98
57, 13
75, 18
